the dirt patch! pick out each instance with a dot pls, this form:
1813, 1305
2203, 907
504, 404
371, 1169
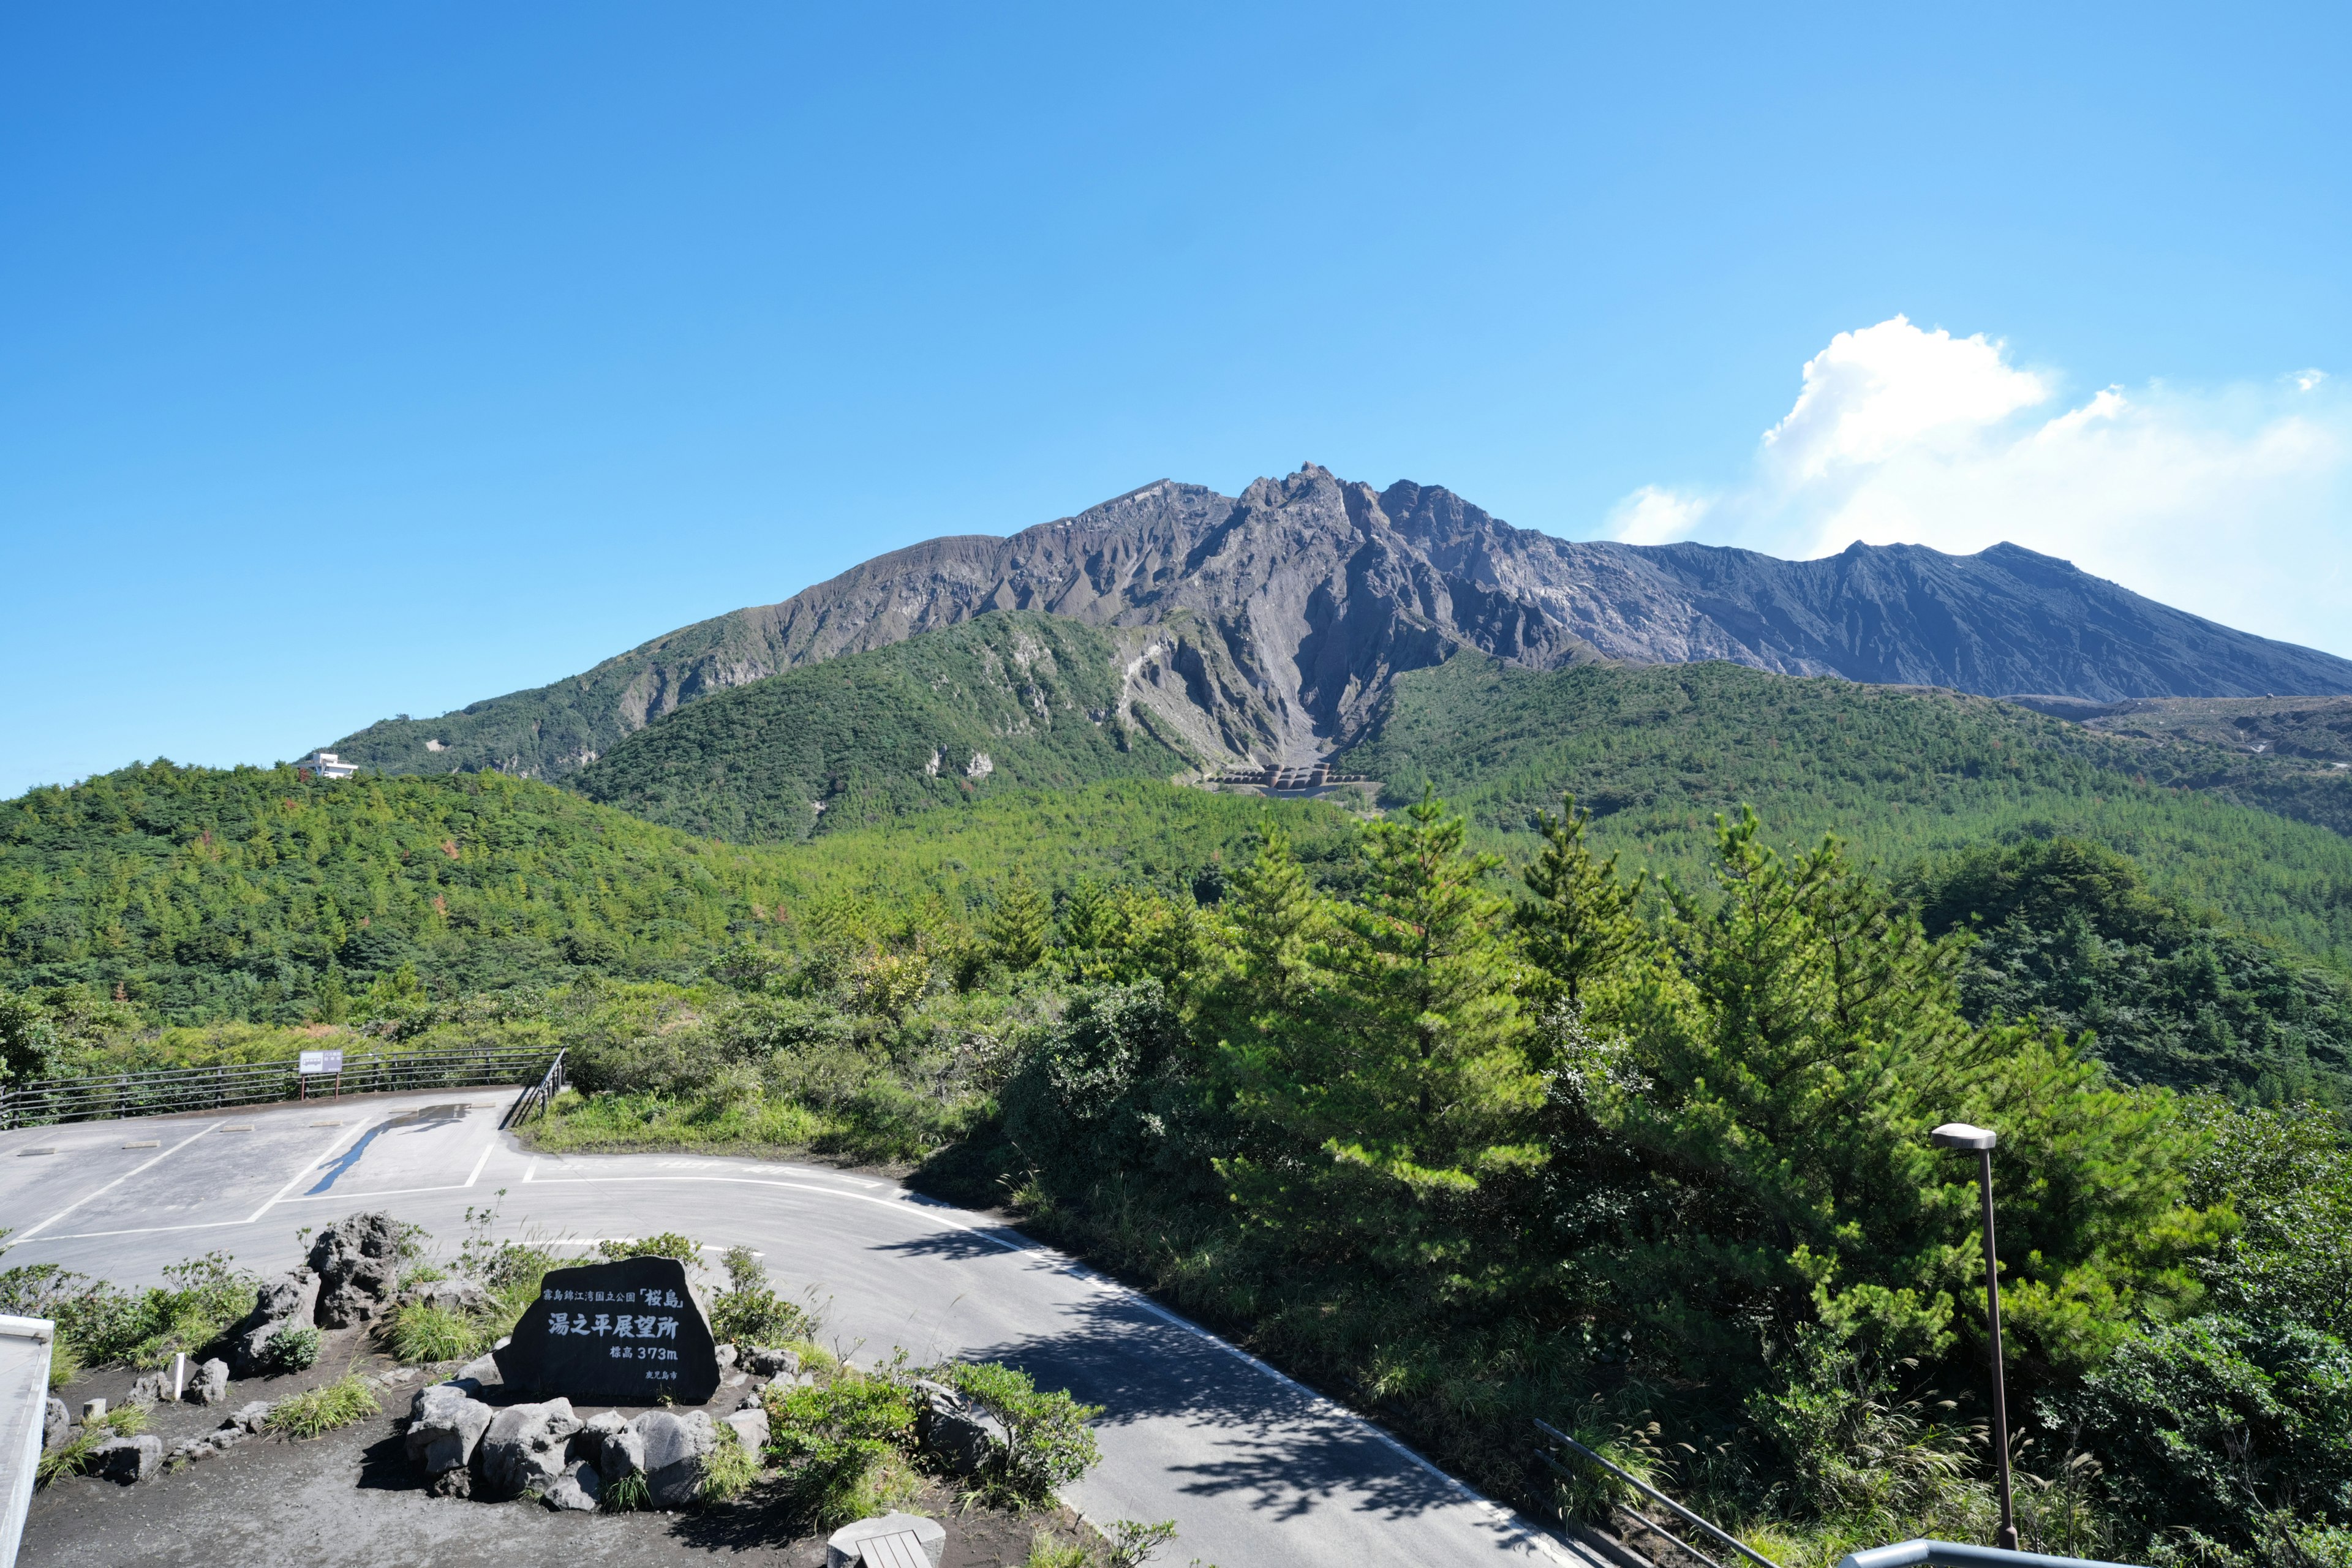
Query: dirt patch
351, 1500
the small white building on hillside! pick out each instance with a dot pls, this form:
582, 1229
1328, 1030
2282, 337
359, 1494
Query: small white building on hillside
327, 766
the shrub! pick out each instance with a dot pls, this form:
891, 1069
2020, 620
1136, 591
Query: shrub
669, 1244
421, 1333
751, 1313
293, 1348
324, 1408
846, 1444
1047, 1441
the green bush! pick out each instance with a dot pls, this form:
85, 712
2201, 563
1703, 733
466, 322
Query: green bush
846, 1444
669, 1244
751, 1312
323, 1409
1047, 1441
294, 1347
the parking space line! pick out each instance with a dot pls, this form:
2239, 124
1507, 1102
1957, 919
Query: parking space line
488, 1149
311, 1165
114, 1183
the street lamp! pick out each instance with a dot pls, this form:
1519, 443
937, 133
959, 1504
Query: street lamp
1980, 1140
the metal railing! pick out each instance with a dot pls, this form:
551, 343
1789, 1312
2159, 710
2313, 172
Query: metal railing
534, 1101
41, 1102
1902, 1554
1653, 1526
1953, 1554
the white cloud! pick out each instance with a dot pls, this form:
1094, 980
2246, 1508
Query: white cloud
1893, 388
1655, 515
2234, 503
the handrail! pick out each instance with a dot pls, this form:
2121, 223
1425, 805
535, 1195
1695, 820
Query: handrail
540, 1096
1682, 1512
106, 1096
1923, 1554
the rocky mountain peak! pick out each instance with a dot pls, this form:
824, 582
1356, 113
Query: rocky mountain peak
1287, 611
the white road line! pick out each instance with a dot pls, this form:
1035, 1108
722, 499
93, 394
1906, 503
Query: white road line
487, 1149
114, 1183
305, 1171
530, 1170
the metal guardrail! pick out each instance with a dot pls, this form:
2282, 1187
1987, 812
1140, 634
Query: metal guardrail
1556, 1435
1953, 1554
535, 1099
42, 1102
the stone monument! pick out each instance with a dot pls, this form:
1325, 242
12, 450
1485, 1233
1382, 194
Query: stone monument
614, 1333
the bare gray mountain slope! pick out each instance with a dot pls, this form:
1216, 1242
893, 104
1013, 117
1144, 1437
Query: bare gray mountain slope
1286, 612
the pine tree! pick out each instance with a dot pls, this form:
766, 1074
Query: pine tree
1386, 1052
1021, 926
1581, 922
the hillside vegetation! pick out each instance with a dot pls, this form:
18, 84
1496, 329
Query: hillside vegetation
1476, 1149
1003, 702
1900, 773
258, 895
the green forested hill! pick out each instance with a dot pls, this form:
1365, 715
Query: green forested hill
1001, 703
1902, 772
255, 894
240, 893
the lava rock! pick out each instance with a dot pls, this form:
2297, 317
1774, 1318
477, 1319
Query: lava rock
444, 1428
291, 1300
727, 1356
589, 1442
576, 1490
57, 1422
210, 1385
252, 1416
128, 1459
459, 1296
772, 1363
622, 1453
751, 1425
960, 1436
527, 1447
358, 1261
675, 1448
148, 1391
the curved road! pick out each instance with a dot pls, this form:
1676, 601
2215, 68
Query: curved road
1255, 1470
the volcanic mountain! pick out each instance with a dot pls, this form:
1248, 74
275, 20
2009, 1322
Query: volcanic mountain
1281, 616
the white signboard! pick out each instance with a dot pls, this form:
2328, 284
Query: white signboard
322, 1061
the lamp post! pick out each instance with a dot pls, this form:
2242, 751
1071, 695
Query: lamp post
1980, 1140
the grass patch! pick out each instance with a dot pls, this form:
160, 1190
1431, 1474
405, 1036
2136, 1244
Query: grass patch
323, 1409
64, 1361
421, 1333
620, 1123
625, 1495
1047, 1550
729, 1469
71, 1458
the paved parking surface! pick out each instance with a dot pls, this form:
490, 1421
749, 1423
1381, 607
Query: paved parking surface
1255, 1468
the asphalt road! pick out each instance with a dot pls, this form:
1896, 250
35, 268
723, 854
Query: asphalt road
1255, 1470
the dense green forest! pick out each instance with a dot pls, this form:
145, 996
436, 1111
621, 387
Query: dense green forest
262, 895
1470, 1148
1003, 703
1899, 774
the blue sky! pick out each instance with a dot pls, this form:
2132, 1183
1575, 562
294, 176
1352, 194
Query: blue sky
374, 360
